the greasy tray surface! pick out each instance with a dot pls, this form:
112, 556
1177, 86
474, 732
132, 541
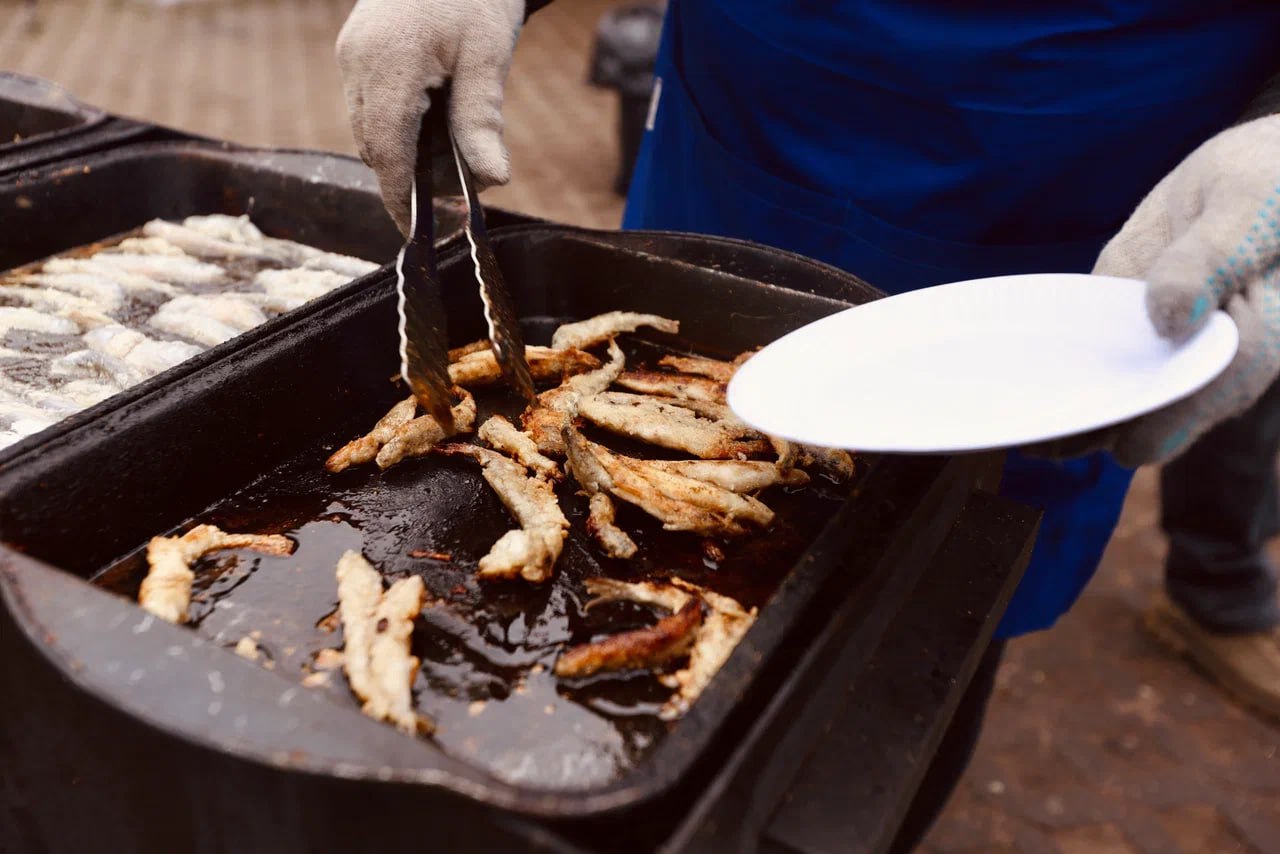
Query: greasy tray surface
320, 380
487, 649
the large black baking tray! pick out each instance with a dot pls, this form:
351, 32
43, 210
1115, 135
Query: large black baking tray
328, 201
165, 456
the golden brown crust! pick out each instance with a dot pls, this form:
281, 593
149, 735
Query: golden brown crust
530, 551
376, 627
467, 349
502, 435
640, 649
689, 426
481, 368
600, 525
166, 591
364, 449
417, 437
603, 327
711, 368
556, 408
683, 386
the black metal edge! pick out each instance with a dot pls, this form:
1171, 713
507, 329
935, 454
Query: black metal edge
112, 133
926, 660
704, 716
46, 95
664, 244
737, 805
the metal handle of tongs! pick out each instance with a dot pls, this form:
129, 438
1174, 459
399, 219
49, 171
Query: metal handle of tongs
424, 357
499, 310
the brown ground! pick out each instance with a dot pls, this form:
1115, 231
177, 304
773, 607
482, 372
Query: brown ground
1097, 741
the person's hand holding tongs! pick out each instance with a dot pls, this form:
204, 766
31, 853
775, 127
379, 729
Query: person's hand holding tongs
423, 82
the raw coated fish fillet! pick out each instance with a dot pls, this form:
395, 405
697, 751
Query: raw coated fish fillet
21, 317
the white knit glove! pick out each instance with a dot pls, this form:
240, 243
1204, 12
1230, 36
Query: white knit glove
391, 51
1207, 237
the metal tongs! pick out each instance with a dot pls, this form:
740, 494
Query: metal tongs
424, 341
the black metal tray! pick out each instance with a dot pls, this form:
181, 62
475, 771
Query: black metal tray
93, 494
325, 200
41, 122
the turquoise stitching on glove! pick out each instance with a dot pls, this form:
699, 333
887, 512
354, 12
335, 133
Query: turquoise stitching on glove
1257, 243
1257, 253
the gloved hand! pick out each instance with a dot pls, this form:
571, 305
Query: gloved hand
1207, 237
391, 51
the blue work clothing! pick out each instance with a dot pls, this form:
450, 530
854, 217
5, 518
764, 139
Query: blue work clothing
915, 143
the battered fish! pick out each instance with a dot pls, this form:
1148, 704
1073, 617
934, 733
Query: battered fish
596, 482
503, 435
602, 327
467, 349
364, 449
721, 628
21, 317
556, 408
207, 319
480, 368
680, 503
285, 290
641, 649
146, 355
84, 313
147, 246
417, 437
106, 293
682, 386
531, 551
194, 242
172, 269
672, 424
600, 524
735, 475
718, 637
376, 628
714, 369
166, 591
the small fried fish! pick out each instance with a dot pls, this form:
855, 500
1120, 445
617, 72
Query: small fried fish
377, 628
166, 591
417, 437
480, 368
602, 327
529, 552
640, 649
502, 435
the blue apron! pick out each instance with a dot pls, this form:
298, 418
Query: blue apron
933, 141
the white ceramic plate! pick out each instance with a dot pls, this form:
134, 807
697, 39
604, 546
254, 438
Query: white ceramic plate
988, 363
